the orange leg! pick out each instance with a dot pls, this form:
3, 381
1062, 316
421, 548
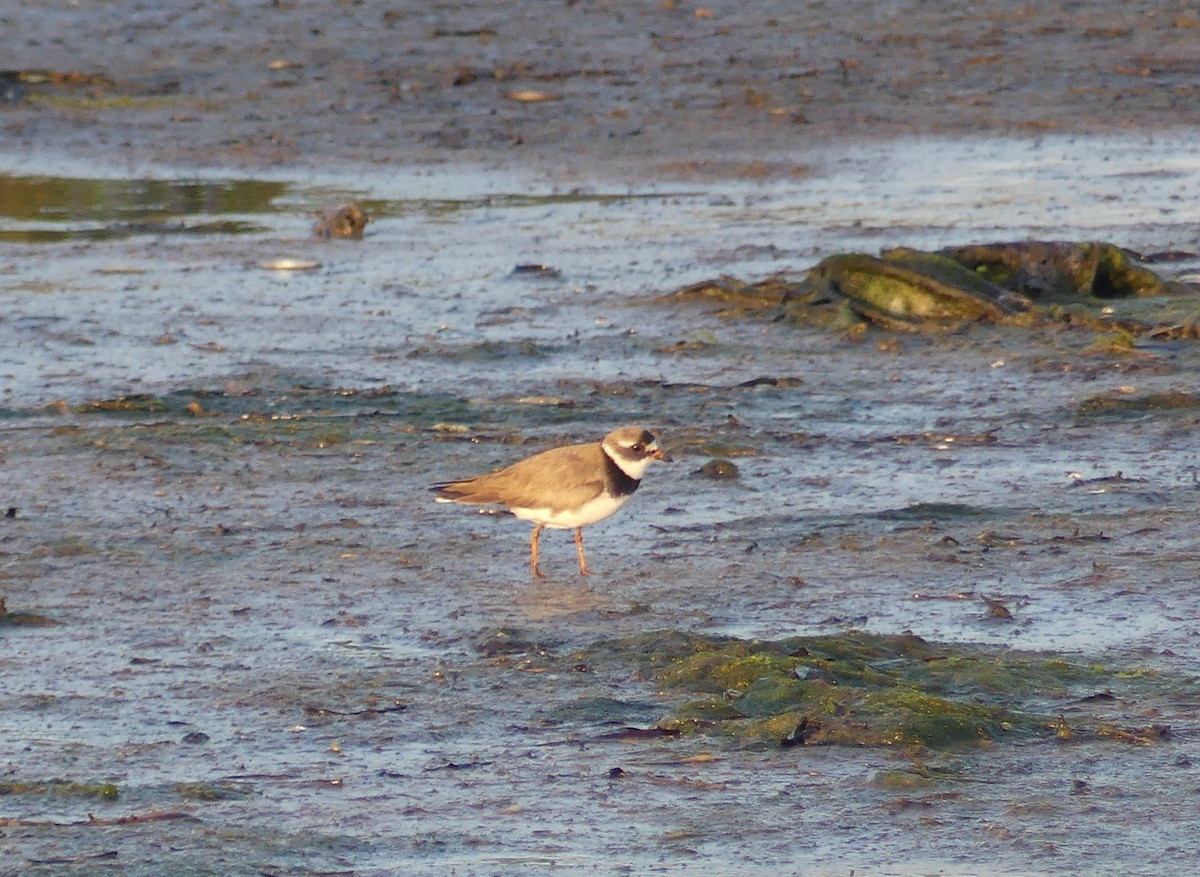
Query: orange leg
533, 547
583, 567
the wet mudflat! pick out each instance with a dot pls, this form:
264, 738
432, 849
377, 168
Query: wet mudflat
273, 654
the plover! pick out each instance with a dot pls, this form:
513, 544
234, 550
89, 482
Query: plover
564, 488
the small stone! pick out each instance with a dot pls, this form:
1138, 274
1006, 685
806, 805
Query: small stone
343, 221
719, 468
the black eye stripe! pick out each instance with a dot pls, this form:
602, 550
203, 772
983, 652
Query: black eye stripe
644, 445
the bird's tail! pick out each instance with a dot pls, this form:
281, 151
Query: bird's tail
443, 491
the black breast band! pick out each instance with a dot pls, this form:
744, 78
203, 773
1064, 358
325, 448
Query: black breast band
619, 483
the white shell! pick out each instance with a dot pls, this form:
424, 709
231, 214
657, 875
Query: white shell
289, 264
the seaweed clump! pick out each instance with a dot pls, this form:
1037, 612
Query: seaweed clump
67, 788
861, 689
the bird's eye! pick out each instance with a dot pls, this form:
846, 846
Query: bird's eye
637, 448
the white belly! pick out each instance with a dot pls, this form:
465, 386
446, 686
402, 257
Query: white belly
589, 513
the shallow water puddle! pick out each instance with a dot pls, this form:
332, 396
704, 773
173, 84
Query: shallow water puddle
57, 209
44, 209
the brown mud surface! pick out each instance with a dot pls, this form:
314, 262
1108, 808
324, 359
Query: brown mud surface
237, 637
601, 88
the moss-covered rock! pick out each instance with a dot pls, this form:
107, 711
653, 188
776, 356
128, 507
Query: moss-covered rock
1061, 269
864, 689
912, 291
1026, 283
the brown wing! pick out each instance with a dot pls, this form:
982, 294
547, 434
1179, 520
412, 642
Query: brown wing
559, 478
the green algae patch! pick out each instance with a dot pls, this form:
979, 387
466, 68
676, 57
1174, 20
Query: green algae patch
224, 790
23, 619
66, 788
1120, 406
733, 296
296, 414
862, 689
26, 619
140, 403
913, 718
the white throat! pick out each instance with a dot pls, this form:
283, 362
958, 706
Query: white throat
635, 469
